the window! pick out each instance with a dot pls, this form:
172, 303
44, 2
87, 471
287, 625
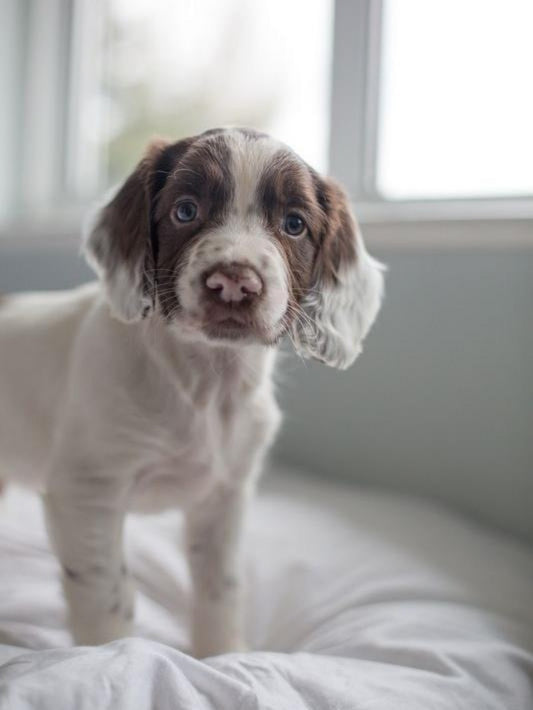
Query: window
456, 101
432, 108
94, 80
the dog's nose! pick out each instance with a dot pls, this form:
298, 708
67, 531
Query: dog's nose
233, 283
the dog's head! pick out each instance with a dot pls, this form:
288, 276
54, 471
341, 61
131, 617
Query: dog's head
232, 237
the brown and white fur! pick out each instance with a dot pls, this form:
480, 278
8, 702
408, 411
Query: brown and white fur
152, 388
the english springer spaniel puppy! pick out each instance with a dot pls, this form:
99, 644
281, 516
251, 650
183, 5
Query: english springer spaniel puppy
152, 388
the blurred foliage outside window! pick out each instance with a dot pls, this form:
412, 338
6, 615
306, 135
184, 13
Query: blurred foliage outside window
176, 67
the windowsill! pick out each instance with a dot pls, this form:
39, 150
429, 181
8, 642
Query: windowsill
440, 210
448, 224
457, 224
495, 235
60, 230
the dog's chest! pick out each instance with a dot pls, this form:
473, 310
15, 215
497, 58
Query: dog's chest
185, 450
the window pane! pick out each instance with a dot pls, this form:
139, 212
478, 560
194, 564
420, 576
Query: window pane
456, 116
190, 65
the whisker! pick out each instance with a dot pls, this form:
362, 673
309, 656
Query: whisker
301, 316
166, 291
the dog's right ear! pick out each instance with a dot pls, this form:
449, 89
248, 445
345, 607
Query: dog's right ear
118, 242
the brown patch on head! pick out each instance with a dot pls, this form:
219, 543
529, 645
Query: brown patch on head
287, 186
201, 173
315, 258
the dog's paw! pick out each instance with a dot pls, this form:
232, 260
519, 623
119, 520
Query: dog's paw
93, 627
106, 628
97, 617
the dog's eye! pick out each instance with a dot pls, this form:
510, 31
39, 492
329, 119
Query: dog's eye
294, 225
186, 211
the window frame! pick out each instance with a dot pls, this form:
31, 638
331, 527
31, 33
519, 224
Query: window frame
50, 175
70, 176
355, 90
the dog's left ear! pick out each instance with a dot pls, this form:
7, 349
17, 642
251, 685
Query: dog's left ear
118, 242
346, 288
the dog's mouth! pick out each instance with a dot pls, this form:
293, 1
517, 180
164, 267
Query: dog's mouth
226, 323
230, 324
228, 329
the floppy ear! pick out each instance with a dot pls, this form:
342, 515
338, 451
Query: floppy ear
118, 242
346, 287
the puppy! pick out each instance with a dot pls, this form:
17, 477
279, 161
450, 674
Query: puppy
152, 388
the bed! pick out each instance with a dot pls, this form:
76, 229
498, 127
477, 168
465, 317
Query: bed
358, 600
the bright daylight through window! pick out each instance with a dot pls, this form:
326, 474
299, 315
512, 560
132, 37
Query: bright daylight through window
456, 102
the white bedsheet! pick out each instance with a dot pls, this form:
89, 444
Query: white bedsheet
358, 601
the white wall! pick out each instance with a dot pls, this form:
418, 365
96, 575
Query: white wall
441, 401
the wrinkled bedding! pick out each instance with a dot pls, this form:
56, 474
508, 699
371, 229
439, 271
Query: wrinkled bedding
358, 600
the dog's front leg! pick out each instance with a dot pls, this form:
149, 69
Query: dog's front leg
214, 552
85, 519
